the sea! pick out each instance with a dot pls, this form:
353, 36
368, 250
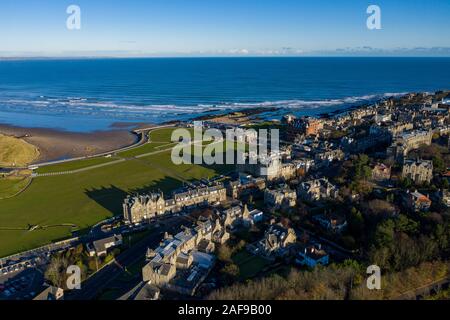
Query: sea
86, 95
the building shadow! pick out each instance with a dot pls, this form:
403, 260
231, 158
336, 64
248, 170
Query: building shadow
111, 198
166, 185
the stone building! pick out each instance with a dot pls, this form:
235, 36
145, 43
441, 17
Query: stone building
331, 222
381, 172
419, 171
303, 126
317, 189
270, 167
323, 157
144, 207
416, 201
409, 141
181, 262
277, 240
281, 198
245, 186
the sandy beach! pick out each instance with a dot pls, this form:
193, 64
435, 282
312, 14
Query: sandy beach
55, 144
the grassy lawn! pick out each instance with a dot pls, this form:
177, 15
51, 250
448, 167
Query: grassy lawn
16, 152
249, 265
74, 165
160, 136
87, 197
159, 139
11, 185
146, 148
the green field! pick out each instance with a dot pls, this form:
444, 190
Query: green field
87, 197
249, 265
10, 186
74, 165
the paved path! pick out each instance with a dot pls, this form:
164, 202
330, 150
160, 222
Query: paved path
34, 175
142, 141
98, 165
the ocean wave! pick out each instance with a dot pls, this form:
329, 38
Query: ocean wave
96, 107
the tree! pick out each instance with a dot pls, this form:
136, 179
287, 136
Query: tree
380, 208
224, 253
360, 174
442, 236
362, 170
438, 164
56, 270
356, 222
404, 224
406, 183
231, 269
230, 272
384, 233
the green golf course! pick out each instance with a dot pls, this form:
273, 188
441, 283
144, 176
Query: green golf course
90, 196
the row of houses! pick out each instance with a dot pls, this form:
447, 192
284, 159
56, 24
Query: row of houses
144, 207
181, 262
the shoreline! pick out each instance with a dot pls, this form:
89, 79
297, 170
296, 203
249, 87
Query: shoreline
59, 144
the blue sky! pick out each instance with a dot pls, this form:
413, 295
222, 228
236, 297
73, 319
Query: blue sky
224, 27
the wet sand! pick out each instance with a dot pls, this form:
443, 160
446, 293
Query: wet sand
56, 145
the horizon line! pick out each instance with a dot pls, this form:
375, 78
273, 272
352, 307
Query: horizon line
51, 57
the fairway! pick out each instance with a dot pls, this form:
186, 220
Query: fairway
74, 165
86, 198
160, 135
10, 186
